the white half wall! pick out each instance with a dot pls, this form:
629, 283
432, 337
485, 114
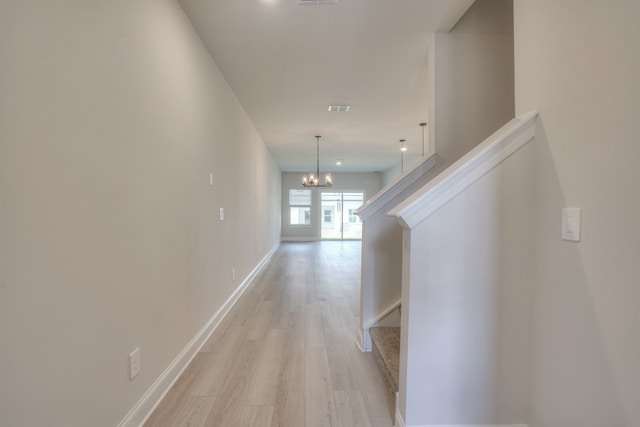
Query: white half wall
466, 288
112, 118
471, 96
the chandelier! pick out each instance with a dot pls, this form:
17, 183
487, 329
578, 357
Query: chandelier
312, 180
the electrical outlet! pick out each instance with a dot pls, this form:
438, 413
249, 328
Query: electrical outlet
221, 214
134, 363
233, 274
211, 179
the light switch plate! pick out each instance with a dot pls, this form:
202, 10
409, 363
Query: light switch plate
134, 363
221, 214
571, 224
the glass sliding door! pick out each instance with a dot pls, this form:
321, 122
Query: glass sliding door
338, 220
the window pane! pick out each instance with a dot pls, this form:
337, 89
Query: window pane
300, 197
300, 216
352, 216
328, 215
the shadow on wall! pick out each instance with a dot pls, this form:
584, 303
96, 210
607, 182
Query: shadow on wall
569, 352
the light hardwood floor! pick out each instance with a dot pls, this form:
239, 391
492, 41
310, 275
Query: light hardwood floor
285, 355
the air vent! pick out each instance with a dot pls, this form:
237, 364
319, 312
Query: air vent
343, 108
306, 2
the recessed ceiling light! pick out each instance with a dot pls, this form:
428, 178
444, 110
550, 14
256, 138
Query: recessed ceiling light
343, 108
338, 162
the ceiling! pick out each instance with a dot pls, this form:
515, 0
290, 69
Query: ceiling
288, 62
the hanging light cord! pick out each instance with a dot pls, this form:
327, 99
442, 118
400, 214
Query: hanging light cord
423, 125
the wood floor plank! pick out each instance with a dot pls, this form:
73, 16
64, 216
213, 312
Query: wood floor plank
348, 321
290, 397
282, 315
195, 412
256, 416
343, 375
167, 411
285, 354
379, 401
351, 409
331, 325
191, 412
320, 409
314, 330
214, 363
297, 296
227, 409
381, 422
269, 367
261, 321
205, 375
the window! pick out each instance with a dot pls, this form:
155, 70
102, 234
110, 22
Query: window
353, 218
327, 216
300, 216
299, 207
300, 197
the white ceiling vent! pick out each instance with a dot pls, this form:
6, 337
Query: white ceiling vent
317, 1
343, 108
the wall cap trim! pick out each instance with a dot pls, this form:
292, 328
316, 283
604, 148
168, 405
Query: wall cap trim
395, 187
467, 170
139, 414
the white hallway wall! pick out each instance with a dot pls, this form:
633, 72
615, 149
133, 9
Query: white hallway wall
578, 63
112, 116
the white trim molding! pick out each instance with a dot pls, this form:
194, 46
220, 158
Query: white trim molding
364, 339
298, 239
459, 425
138, 415
467, 170
360, 341
384, 314
399, 422
391, 190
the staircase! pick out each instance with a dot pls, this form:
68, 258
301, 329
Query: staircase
386, 351
442, 265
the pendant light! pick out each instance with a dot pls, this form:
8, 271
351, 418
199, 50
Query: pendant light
312, 180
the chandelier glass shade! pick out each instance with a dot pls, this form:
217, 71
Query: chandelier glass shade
313, 180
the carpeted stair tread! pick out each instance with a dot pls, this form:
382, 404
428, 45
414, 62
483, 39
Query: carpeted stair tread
386, 349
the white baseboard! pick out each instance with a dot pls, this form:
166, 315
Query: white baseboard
148, 402
459, 425
363, 340
298, 239
399, 422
